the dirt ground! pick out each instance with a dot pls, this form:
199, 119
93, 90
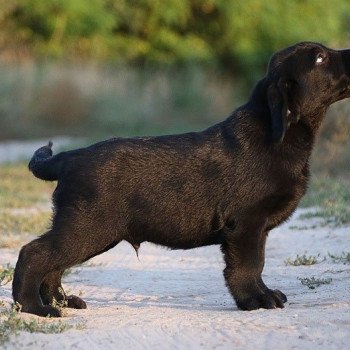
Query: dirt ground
178, 299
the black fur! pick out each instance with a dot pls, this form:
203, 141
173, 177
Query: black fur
229, 184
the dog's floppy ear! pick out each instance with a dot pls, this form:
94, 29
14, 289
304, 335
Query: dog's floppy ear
282, 110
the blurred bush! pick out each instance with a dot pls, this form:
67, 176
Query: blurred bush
89, 100
237, 35
332, 152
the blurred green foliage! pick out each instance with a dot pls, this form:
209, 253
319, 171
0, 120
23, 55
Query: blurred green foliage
43, 99
148, 66
237, 35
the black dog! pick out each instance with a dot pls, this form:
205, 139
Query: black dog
229, 184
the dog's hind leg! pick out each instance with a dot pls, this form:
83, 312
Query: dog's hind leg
54, 251
51, 289
32, 265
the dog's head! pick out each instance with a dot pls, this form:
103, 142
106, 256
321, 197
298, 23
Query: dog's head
304, 80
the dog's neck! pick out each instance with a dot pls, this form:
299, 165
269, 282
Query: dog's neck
310, 120
314, 119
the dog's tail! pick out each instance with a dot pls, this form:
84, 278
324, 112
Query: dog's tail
45, 166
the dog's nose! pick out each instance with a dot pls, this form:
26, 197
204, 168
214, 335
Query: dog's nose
346, 59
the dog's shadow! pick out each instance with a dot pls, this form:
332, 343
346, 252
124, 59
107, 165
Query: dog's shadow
137, 288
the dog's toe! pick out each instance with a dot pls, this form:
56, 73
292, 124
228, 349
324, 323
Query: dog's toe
270, 299
75, 302
280, 295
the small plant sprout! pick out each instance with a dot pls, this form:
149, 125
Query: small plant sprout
344, 257
6, 274
60, 304
313, 282
304, 260
11, 323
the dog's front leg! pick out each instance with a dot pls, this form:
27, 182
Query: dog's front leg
244, 253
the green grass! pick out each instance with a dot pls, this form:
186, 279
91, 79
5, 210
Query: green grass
331, 199
20, 189
17, 228
11, 323
6, 274
24, 205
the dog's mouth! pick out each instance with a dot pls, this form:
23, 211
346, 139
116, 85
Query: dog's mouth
344, 90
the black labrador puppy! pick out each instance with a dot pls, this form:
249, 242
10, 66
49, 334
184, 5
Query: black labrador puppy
229, 184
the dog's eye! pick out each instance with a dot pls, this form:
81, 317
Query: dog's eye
320, 58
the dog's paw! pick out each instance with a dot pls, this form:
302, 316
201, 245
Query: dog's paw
270, 299
75, 302
281, 295
44, 311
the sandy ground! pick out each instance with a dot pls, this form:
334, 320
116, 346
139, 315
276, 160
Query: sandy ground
178, 299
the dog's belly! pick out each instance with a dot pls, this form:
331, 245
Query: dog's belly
172, 235
211, 238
